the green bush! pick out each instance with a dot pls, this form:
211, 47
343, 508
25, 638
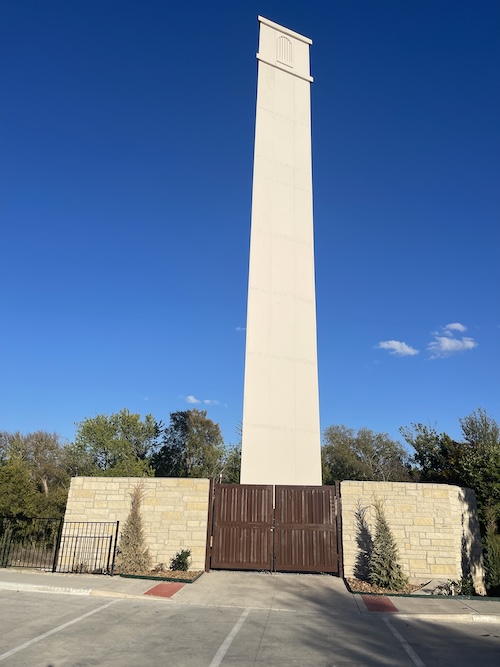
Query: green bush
491, 544
385, 571
181, 560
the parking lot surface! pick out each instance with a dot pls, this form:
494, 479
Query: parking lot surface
231, 619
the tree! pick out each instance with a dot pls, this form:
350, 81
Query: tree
119, 444
480, 430
133, 554
43, 457
385, 571
17, 489
42, 452
192, 447
362, 455
473, 463
232, 465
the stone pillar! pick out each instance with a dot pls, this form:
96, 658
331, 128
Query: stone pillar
281, 432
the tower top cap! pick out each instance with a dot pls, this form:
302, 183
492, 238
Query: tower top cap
284, 30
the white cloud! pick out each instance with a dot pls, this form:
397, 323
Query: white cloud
444, 346
240, 328
211, 401
398, 348
445, 343
192, 399
454, 326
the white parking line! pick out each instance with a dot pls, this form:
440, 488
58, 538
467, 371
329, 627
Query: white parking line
404, 644
21, 647
219, 656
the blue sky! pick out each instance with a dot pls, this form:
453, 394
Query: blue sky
126, 167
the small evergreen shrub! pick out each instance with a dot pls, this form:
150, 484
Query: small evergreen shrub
133, 555
463, 586
385, 571
181, 560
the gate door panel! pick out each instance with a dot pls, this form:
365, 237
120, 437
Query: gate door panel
242, 527
305, 529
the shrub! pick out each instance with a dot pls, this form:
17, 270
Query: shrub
133, 554
385, 571
463, 586
492, 552
181, 560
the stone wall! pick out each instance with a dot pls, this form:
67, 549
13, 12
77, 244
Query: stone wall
174, 511
434, 525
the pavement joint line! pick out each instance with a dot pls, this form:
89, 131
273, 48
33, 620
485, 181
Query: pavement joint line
240, 606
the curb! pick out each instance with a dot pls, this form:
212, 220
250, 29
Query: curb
39, 588
66, 590
449, 618
128, 596
160, 579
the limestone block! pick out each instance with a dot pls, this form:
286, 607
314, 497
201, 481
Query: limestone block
83, 493
442, 543
423, 521
197, 506
171, 516
118, 505
442, 569
420, 564
436, 493
112, 486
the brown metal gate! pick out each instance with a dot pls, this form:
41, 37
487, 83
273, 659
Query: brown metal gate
301, 534
305, 530
242, 537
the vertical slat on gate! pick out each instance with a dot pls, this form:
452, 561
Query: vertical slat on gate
242, 527
305, 529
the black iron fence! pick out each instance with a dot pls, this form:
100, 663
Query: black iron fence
58, 546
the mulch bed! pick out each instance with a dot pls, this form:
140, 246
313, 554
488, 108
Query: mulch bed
359, 586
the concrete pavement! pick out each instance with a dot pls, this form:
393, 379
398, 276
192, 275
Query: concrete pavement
253, 590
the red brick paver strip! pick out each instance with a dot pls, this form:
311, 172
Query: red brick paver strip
378, 603
165, 590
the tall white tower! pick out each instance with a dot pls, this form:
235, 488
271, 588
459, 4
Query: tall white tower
281, 432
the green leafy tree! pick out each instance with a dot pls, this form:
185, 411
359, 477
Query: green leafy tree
362, 455
18, 492
120, 444
385, 571
491, 546
473, 462
232, 465
192, 447
43, 456
42, 452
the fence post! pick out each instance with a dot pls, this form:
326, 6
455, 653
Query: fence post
340, 546
5, 542
58, 545
114, 550
208, 545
